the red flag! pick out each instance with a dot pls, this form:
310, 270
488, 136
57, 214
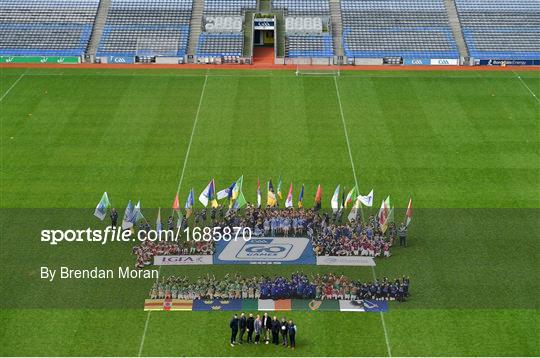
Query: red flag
176, 203
318, 196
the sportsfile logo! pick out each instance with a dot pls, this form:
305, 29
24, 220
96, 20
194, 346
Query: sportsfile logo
279, 249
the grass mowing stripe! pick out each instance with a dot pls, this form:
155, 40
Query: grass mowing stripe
527, 87
356, 182
178, 190
192, 133
12, 87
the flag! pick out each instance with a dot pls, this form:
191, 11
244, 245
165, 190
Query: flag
259, 196
271, 196
353, 215
126, 223
288, 202
301, 197
240, 201
236, 188
176, 203
279, 188
351, 196
383, 214
208, 195
318, 197
159, 225
335, 200
136, 214
222, 194
390, 216
409, 212
189, 203
102, 207
366, 200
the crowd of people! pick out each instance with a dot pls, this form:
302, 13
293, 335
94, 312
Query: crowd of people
299, 286
329, 234
262, 329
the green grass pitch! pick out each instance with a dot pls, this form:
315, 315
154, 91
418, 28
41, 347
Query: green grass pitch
464, 145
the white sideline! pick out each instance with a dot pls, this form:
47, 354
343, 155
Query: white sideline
356, 182
527, 87
141, 346
12, 87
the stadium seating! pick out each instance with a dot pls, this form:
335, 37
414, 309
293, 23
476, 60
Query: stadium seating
499, 29
303, 7
220, 45
226, 45
228, 7
397, 28
146, 28
46, 27
312, 44
309, 46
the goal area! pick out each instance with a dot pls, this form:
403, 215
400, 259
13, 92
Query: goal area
316, 70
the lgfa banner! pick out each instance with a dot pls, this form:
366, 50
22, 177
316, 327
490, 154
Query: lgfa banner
183, 260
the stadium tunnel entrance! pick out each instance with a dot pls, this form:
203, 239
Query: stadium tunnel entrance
264, 32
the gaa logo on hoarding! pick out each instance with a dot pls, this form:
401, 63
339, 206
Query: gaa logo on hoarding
443, 62
417, 62
115, 59
44, 59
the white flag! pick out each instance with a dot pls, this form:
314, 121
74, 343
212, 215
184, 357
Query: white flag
366, 200
203, 198
335, 200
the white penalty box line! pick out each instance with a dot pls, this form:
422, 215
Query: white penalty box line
195, 121
383, 323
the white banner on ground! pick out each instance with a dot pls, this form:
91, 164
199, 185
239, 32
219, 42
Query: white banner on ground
184, 260
345, 261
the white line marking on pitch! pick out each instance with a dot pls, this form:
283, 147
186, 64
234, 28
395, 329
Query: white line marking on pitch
527, 87
356, 182
141, 346
12, 86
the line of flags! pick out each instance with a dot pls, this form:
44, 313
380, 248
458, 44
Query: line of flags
237, 200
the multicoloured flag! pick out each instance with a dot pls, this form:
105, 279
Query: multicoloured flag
270, 196
409, 212
335, 200
176, 203
225, 193
318, 197
237, 188
240, 201
102, 207
126, 223
289, 202
208, 195
351, 195
301, 197
189, 203
259, 196
159, 225
353, 215
279, 188
366, 200
384, 211
136, 215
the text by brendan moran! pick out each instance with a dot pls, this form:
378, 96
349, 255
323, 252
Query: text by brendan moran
67, 273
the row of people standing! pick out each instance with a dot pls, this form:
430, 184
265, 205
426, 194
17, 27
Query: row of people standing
266, 329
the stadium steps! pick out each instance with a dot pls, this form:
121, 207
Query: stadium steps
195, 26
248, 34
97, 30
280, 32
337, 27
456, 28
265, 6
